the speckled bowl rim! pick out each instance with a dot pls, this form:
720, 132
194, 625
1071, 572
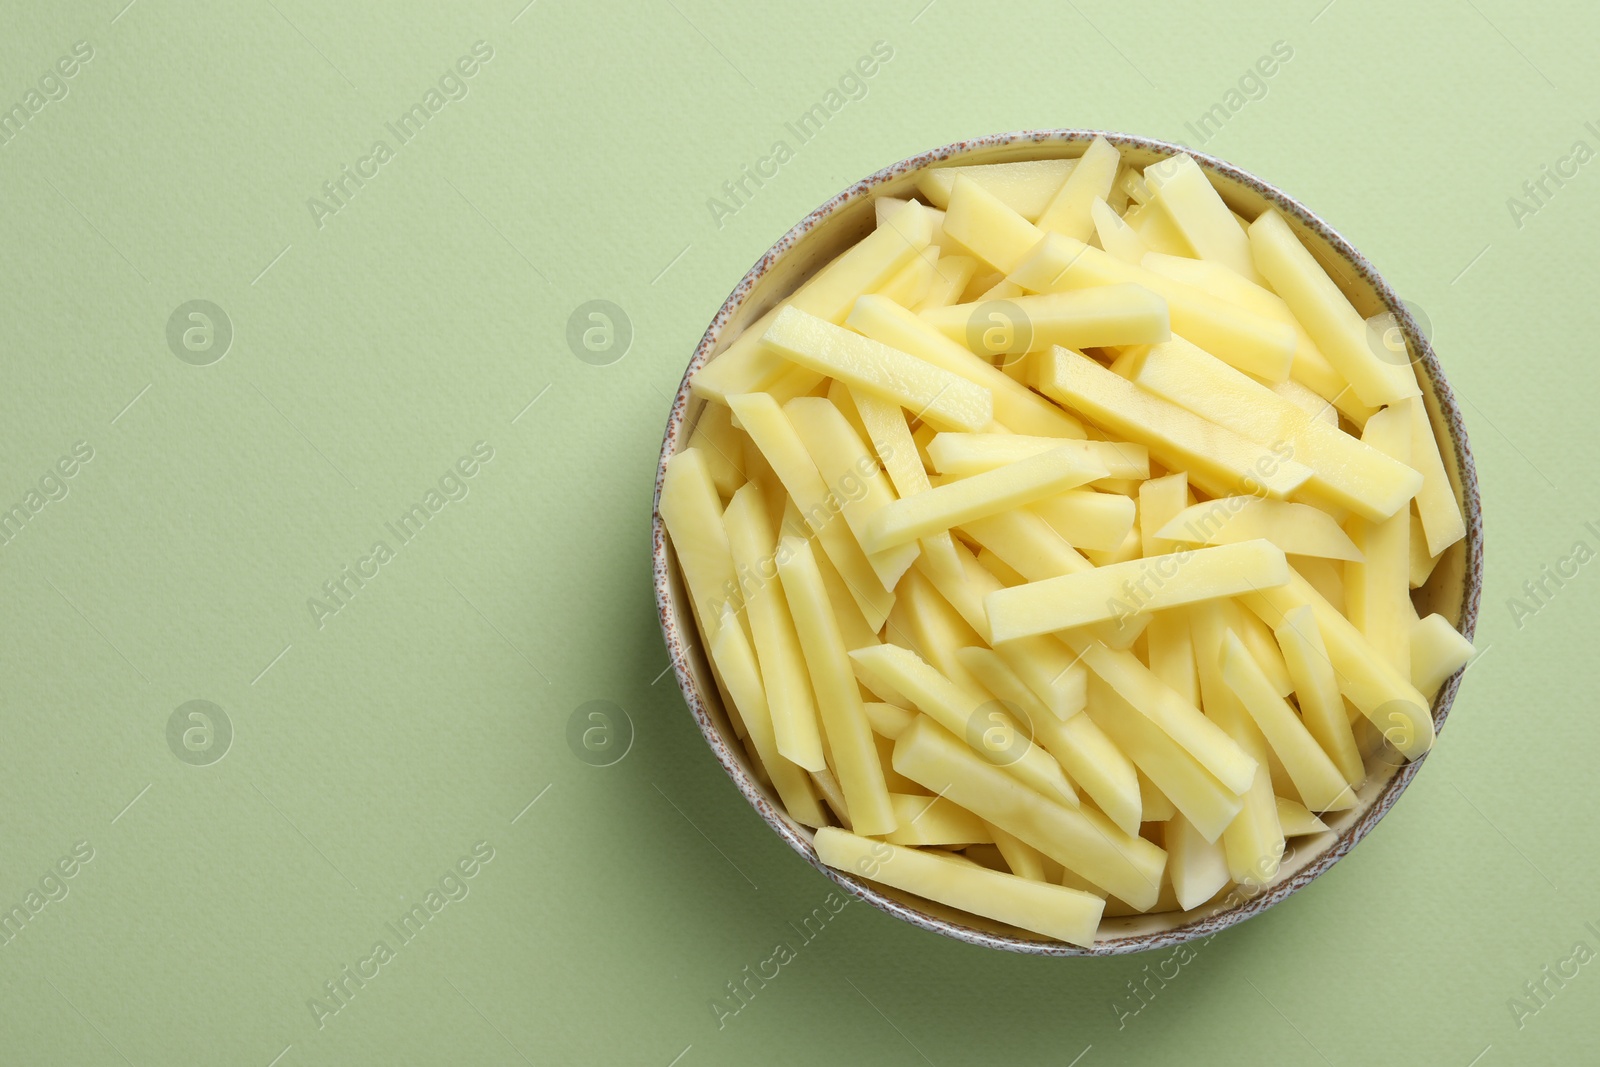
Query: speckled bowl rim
1205, 925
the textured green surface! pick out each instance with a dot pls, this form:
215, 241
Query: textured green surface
371, 753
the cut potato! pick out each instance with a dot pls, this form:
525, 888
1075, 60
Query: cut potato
860, 362
1215, 458
1081, 840
793, 709
749, 364
1257, 345
1136, 587
1296, 820
1026, 187
1344, 470
844, 719
981, 223
1069, 211
1055, 911
1180, 187
1078, 318
1297, 529
736, 663
964, 454
1326, 313
1317, 690
774, 435
986, 724
1052, 548
927, 820
964, 499
1437, 651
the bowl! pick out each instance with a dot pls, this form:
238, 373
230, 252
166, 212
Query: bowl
1453, 590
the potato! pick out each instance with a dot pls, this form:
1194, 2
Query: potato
1026, 187
1082, 318
1253, 343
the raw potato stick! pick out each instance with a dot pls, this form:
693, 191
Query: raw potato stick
1068, 213
775, 436
1215, 458
1210, 805
998, 490
1315, 778
1317, 691
1016, 407
737, 664
1082, 840
1136, 587
1026, 187
1338, 329
844, 719
748, 365
1437, 651
692, 514
1178, 185
1257, 345
1253, 841
1082, 318
1436, 500
983, 723
852, 476
961, 455
1377, 586
1054, 911
1346, 471
858, 361
1366, 678
783, 669
1298, 529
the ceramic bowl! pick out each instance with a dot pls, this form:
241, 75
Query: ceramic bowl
1453, 590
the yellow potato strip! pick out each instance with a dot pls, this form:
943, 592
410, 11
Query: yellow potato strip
1366, 678
1337, 328
981, 223
1135, 587
783, 670
736, 662
1026, 186
1054, 911
1298, 529
1351, 474
1437, 651
1016, 407
852, 475
962, 455
983, 723
774, 435
749, 365
1180, 187
1081, 318
1081, 840
1068, 213
1209, 804
1253, 841
998, 490
935, 821
1216, 458
692, 514
1253, 343
926, 390
844, 719
1318, 781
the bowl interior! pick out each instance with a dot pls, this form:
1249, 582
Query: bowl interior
1452, 590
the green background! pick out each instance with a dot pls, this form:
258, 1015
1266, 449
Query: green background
369, 754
